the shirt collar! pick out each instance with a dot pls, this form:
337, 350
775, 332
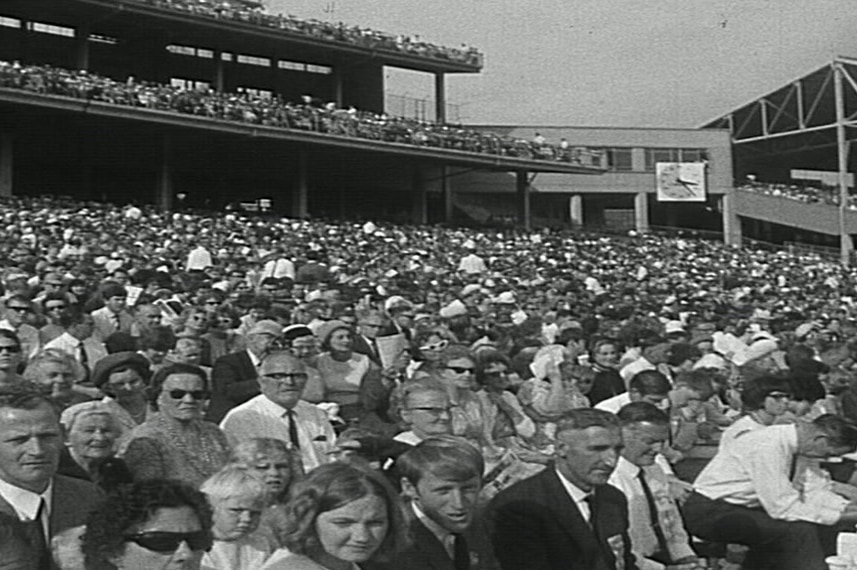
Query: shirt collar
441, 533
626, 468
577, 494
274, 408
255, 360
26, 503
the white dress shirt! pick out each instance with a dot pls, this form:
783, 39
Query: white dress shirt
577, 495
614, 404
644, 541
753, 472
742, 426
261, 417
26, 504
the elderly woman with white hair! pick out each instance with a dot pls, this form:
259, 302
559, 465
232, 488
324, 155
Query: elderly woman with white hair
56, 372
237, 496
91, 443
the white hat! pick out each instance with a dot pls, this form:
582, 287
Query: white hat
504, 298
396, 301
471, 289
454, 309
673, 327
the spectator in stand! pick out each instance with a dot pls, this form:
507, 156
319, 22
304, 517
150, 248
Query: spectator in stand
426, 412
54, 305
10, 358
122, 377
92, 440
647, 386
234, 376
18, 311
77, 340
56, 374
175, 443
605, 360
764, 400
113, 316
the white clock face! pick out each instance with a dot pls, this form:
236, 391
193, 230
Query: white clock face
681, 181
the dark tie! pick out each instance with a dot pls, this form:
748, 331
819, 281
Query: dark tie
653, 516
293, 429
590, 500
461, 554
36, 536
116, 321
84, 359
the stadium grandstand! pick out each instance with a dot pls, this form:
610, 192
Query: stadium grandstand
793, 155
206, 104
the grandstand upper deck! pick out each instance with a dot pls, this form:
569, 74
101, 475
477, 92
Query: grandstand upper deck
219, 25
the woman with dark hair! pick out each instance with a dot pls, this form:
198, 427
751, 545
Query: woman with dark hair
176, 443
340, 516
148, 525
764, 400
605, 361
221, 333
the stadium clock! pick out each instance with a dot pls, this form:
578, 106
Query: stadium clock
681, 181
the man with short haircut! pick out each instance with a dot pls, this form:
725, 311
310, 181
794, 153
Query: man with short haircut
441, 479
658, 538
745, 495
146, 317
234, 376
18, 311
647, 386
39, 503
77, 339
567, 517
53, 306
369, 324
279, 413
426, 410
113, 316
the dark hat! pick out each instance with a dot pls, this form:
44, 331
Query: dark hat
125, 359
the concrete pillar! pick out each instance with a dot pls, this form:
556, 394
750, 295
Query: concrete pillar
439, 97
338, 93
300, 195
419, 209
731, 224
81, 48
219, 72
523, 186
641, 212
164, 192
448, 195
7, 163
575, 210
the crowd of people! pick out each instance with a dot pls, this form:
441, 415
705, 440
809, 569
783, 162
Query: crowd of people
255, 13
308, 115
807, 193
211, 390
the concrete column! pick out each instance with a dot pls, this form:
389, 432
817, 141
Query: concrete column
164, 191
419, 209
523, 186
81, 47
641, 212
440, 97
7, 163
448, 195
300, 195
731, 224
575, 210
338, 92
219, 72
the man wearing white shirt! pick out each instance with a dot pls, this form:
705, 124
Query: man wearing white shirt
40, 503
77, 341
658, 538
647, 386
745, 495
279, 413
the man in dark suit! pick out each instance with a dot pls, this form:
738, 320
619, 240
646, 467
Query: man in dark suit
39, 503
234, 377
369, 324
441, 478
567, 517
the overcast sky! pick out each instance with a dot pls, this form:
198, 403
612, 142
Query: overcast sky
655, 63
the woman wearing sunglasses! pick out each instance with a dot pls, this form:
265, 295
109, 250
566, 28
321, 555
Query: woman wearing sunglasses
176, 443
340, 517
150, 525
430, 344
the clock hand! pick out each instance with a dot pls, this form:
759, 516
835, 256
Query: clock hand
687, 182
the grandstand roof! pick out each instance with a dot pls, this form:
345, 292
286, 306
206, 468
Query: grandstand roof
128, 18
798, 116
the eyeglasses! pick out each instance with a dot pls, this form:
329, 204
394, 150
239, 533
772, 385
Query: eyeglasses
460, 369
21, 309
439, 345
290, 376
436, 411
212, 302
779, 395
10, 348
170, 541
371, 326
195, 394
54, 307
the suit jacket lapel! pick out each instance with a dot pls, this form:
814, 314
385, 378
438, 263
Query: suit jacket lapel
427, 542
570, 517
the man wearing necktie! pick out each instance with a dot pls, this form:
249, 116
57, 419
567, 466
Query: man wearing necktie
40, 503
658, 538
567, 517
441, 479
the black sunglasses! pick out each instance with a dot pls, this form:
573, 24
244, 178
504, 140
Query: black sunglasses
195, 394
170, 541
459, 369
11, 348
